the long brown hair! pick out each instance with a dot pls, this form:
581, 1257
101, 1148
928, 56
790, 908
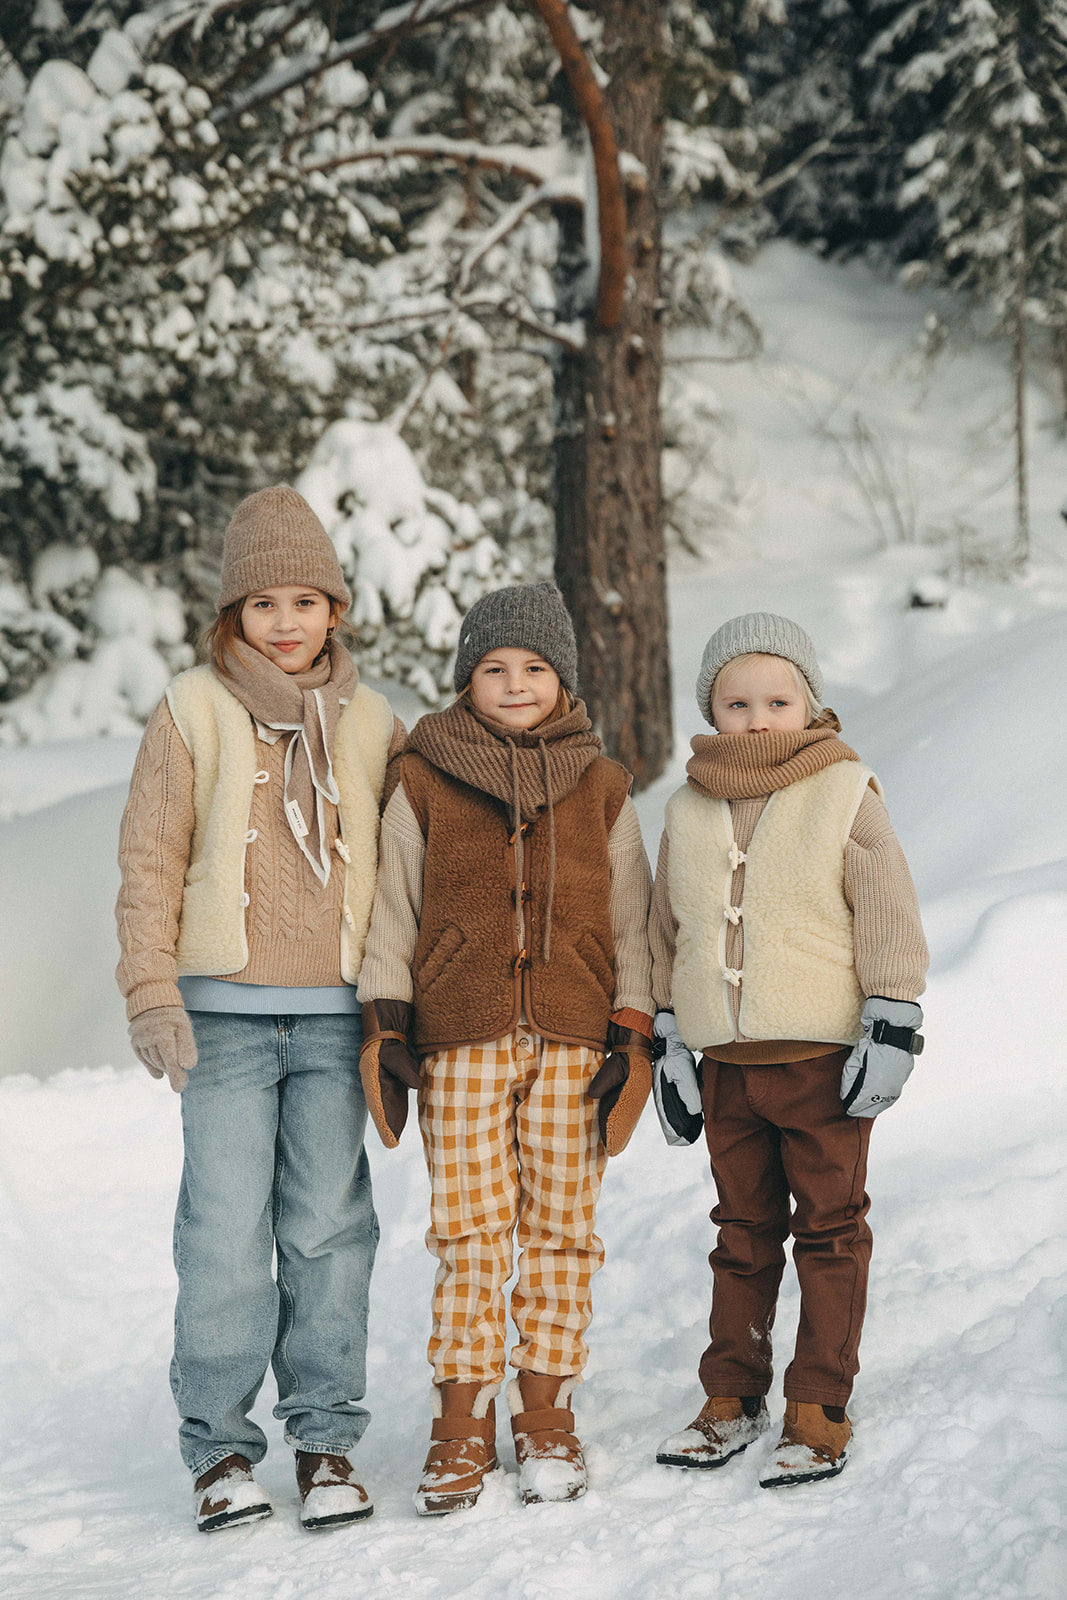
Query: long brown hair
218, 638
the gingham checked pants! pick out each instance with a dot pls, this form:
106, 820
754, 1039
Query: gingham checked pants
512, 1146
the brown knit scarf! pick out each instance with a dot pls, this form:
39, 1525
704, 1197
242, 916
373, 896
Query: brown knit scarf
308, 706
528, 770
742, 766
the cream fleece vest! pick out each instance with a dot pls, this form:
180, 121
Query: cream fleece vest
219, 734
798, 978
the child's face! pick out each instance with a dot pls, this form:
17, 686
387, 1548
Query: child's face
759, 696
515, 687
287, 624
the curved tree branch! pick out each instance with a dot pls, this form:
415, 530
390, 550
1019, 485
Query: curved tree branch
611, 203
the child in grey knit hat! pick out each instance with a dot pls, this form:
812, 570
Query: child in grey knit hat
507, 978
788, 956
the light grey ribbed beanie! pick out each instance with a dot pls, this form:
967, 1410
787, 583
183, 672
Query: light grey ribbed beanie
758, 633
525, 616
275, 538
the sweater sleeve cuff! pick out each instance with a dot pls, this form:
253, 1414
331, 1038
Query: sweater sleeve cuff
147, 996
629, 1017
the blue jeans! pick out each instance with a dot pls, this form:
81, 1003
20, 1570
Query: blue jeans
274, 1117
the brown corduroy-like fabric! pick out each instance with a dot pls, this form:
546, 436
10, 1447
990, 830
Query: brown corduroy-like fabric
471, 981
740, 766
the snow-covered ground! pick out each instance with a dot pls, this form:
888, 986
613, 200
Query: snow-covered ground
956, 1485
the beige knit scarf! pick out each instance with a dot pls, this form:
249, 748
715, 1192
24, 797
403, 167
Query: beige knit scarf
528, 770
306, 705
742, 766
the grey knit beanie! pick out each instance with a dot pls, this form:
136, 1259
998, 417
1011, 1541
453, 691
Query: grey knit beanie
526, 616
275, 538
758, 633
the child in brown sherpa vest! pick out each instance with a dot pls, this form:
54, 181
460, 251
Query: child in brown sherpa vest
249, 853
508, 950
786, 936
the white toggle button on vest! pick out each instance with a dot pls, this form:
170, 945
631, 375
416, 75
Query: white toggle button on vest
261, 777
245, 899
732, 914
252, 834
737, 857
342, 850
349, 918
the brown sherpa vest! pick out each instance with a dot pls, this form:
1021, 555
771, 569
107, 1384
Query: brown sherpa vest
471, 978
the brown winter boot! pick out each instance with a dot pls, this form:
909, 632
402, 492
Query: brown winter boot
812, 1446
551, 1464
725, 1426
227, 1494
330, 1492
462, 1448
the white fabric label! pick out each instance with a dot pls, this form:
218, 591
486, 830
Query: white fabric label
296, 819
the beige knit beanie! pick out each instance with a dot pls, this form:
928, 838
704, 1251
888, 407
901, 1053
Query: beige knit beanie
275, 538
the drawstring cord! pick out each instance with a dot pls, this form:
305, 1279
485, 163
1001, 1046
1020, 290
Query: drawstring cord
516, 812
547, 944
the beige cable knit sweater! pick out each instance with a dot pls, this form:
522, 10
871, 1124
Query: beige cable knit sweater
292, 920
890, 950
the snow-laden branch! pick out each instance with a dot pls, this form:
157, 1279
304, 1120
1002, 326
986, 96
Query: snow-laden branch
519, 161
288, 74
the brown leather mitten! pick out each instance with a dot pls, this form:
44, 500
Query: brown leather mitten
623, 1084
388, 1066
162, 1041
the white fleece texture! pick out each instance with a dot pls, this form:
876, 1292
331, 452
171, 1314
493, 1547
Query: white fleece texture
798, 978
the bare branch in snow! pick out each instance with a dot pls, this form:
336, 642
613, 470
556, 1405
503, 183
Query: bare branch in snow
518, 161
611, 202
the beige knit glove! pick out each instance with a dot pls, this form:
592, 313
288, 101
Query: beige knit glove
163, 1042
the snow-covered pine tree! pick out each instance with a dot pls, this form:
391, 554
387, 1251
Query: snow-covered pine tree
994, 167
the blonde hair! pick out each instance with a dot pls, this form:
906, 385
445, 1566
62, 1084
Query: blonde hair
219, 637
812, 705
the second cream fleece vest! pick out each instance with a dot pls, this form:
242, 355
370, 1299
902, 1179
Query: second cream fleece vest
219, 734
798, 977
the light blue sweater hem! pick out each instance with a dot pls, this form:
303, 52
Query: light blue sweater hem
266, 999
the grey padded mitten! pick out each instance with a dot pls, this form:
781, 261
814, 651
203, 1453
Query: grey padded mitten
162, 1041
675, 1084
881, 1062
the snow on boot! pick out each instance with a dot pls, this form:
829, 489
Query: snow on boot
721, 1431
551, 1464
227, 1494
330, 1492
462, 1448
812, 1446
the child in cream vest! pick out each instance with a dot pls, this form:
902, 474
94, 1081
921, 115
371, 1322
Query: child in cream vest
249, 850
787, 957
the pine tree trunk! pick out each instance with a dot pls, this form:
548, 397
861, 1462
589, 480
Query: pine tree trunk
610, 557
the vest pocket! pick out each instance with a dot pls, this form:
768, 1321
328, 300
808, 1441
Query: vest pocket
817, 944
588, 949
437, 960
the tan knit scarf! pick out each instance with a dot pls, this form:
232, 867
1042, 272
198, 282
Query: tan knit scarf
307, 705
742, 766
528, 770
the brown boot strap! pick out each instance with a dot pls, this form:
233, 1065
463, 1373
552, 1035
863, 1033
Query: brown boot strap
551, 1420
445, 1428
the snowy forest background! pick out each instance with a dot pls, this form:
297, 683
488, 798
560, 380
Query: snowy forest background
334, 244
356, 246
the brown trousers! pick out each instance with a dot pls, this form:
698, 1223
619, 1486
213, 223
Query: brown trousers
775, 1132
